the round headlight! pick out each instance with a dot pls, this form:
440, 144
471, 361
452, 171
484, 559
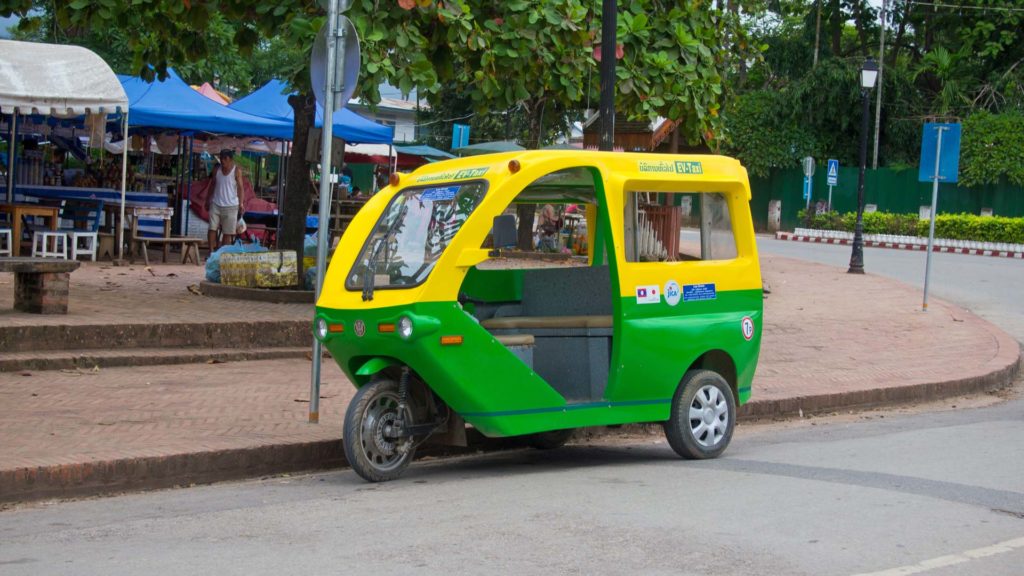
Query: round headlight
405, 327
320, 329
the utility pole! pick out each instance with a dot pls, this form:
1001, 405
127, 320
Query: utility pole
881, 70
817, 35
609, 18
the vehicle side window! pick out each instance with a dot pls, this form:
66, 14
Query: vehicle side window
678, 226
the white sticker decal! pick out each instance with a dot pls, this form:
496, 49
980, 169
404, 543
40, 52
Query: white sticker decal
672, 293
748, 328
648, 294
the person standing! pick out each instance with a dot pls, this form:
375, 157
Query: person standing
223, 202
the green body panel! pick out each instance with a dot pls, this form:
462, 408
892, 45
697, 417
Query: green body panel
656, 343
498, 394
480, 376
493, 285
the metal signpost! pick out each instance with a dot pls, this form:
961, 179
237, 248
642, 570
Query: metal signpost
940, 162
333, 73
833, 179
808, 172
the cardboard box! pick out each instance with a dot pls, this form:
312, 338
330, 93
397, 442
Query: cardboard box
275, 269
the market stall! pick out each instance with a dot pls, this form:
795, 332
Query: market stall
61, 81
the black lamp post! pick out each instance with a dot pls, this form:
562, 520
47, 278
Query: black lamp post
868, 76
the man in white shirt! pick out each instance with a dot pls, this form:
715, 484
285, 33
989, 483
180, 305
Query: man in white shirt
223, 202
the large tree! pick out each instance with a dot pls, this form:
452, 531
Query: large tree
536, 56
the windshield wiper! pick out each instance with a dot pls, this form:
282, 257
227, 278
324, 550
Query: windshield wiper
370, 274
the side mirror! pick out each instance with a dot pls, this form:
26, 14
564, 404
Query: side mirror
504, 233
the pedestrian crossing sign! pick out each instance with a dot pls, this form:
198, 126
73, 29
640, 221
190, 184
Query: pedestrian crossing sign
833, 172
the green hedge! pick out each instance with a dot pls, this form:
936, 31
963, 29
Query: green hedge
951, 226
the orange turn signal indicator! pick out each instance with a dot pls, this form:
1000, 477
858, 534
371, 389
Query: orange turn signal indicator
335, 328
394, 179
451, 340
514, 166
386, 327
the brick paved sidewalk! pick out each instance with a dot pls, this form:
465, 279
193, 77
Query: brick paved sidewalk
830, 340
105, 294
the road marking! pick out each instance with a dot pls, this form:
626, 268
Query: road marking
951, 559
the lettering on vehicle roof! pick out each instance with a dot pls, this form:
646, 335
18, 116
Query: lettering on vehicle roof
667, 167
454, 174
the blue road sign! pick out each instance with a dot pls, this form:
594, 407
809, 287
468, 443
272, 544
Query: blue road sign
807, 188
833, 172
948, 156
460, 135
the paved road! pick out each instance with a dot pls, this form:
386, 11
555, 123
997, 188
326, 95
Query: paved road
939, 494
992, 288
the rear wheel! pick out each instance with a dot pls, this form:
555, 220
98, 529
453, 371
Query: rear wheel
550, 440
370, 438
703, 416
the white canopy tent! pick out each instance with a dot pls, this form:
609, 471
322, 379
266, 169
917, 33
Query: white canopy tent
63, 81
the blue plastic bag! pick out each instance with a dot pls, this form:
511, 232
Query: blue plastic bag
309, 246
213, 262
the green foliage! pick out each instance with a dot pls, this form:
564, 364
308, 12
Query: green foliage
973, 227
761, 135
992, 147
949, 226
874, 222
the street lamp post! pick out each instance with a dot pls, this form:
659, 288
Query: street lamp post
868, 75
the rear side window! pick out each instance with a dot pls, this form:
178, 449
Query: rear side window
678, 226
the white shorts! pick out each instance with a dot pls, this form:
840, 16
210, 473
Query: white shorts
224, 218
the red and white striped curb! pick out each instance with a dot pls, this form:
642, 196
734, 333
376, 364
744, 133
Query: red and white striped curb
900, 246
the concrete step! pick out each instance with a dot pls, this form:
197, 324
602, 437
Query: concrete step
79, 338
86, 360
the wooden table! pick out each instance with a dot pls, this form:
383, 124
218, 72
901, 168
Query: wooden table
16, 211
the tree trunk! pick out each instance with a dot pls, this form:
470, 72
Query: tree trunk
837, 28
298, 193
861, 26
526, 212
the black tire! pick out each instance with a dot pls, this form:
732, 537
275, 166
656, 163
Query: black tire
550, 440
369, 451
704, 432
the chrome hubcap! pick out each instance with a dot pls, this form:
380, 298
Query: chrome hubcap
377, 433
709, 416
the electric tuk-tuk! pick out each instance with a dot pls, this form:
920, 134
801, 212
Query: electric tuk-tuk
440, 323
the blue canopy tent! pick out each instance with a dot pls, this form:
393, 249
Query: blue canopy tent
174, 105
271, 102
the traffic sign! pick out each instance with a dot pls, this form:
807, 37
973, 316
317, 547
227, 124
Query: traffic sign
808, 164
948, 157
346, 65
833, 172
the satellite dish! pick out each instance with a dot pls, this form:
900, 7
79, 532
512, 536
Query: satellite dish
346, 68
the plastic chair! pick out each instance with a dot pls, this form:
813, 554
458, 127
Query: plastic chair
6, 242
41, 242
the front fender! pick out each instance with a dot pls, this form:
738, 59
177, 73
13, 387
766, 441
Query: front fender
375, 365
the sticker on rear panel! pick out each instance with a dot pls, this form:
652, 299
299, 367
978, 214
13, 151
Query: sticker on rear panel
648, 294
698, 292
672, 293
748, 327
439, 194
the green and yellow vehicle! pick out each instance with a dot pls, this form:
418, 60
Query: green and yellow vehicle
440, 325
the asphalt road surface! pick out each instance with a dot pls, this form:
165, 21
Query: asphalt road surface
929, 493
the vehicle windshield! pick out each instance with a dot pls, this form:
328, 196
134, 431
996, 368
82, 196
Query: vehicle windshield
411, 234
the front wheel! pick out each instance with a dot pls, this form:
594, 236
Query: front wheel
372, 446
703, 416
